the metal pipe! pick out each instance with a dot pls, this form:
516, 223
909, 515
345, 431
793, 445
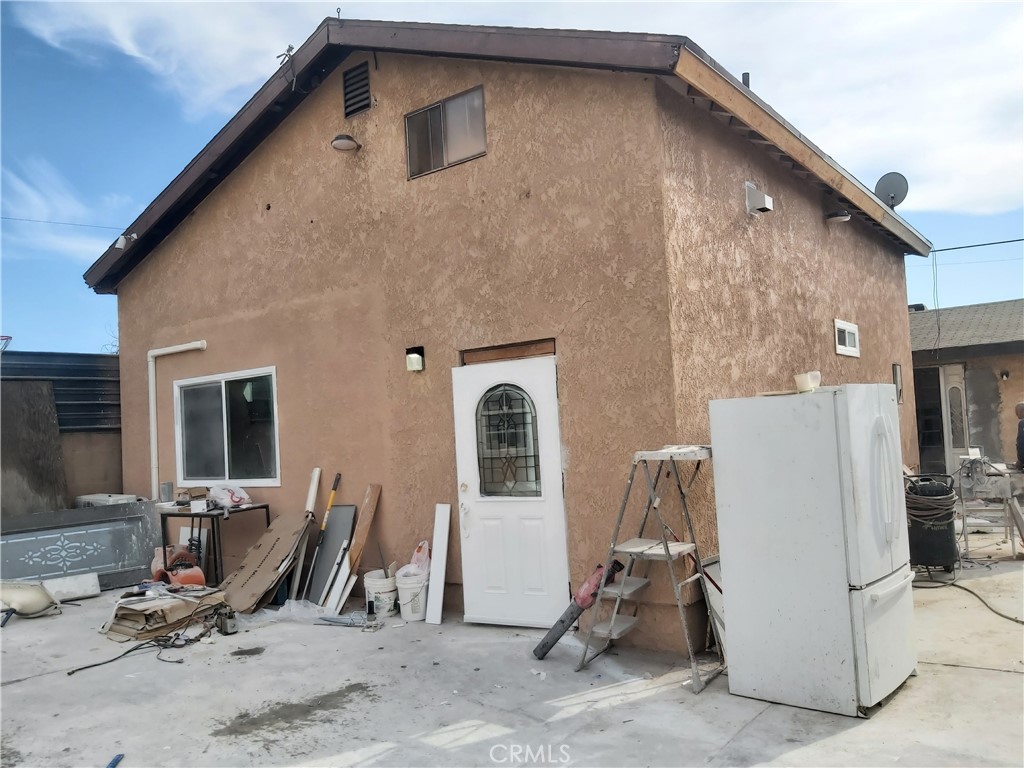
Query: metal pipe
151, 356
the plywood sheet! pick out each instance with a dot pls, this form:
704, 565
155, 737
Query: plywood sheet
363, 522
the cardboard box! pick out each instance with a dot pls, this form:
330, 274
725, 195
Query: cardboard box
266, 563
144, 618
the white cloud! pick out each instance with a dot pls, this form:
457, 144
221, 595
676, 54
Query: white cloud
934, 90
35, 190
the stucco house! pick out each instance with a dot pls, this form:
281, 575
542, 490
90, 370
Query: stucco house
968, 376
562, 227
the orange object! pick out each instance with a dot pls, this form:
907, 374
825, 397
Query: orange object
186, 574
182, 567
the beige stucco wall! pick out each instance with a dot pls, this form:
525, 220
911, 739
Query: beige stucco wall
984, 381
92, 462
555, 233
328, 265
754, 299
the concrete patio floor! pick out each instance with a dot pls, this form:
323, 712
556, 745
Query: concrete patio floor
289, 694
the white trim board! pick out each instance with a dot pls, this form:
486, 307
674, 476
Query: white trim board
438, 562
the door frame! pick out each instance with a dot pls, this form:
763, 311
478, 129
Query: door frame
547, 488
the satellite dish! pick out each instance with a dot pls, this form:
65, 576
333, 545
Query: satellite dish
892, 188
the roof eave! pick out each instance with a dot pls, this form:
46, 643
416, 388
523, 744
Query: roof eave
763, 125
655, 54
674, 58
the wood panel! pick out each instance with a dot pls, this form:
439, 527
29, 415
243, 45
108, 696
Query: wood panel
509, 352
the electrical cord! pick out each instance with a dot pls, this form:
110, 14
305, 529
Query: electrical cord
940, 584
937, 584
161, 642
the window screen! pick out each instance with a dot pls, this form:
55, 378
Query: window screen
202, 432
464, 126
251, 450
426, 148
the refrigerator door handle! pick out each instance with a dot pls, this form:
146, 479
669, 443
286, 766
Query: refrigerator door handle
884, 487
879, 595
888, 457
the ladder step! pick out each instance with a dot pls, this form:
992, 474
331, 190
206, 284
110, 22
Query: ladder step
623, 624
654, 549
627, 587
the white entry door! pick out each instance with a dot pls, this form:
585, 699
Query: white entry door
515, 568
955, 432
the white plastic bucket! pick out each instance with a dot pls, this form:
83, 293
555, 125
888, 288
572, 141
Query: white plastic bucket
382, 591
412, 596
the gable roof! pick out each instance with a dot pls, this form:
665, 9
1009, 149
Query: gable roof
968, 326
677, 60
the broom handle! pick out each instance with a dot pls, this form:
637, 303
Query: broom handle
320, 538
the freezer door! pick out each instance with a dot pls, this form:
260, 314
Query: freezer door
883, 616
871, 461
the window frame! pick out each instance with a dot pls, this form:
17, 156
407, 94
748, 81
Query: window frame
846, 349
444, 144
222, 379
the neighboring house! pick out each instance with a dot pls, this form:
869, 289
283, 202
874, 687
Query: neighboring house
558, 225
61, 430
968, 376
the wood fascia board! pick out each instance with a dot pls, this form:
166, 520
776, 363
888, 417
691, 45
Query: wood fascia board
593, 50
193, 174
696, 72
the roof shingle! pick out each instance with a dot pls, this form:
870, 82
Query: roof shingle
974, 324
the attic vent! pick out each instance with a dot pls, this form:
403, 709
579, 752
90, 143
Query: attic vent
357, 89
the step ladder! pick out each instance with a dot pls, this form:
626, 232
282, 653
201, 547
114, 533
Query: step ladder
666, 547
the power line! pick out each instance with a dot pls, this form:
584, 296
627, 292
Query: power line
977, 245
62, 223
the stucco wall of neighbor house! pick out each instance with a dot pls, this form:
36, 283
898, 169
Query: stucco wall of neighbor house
328, 265
754, 298
92, 462
991, 401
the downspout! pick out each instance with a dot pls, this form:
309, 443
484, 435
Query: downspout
151, 356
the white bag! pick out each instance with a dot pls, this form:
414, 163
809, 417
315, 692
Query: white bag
420, 564
227, 496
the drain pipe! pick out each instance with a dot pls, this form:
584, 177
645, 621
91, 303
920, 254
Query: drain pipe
151, 356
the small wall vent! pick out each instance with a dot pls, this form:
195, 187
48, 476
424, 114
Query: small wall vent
357, 89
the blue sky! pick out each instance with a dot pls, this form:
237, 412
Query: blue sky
103, 104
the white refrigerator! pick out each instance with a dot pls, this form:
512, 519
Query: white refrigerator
812, 528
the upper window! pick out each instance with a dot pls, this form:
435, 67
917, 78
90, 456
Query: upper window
226, 428
446, 133
506, 428
847, 339
357, 89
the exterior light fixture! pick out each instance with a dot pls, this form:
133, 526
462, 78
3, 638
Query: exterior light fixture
122, 241
1004, 375
414, 359
345, 143
837, 217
